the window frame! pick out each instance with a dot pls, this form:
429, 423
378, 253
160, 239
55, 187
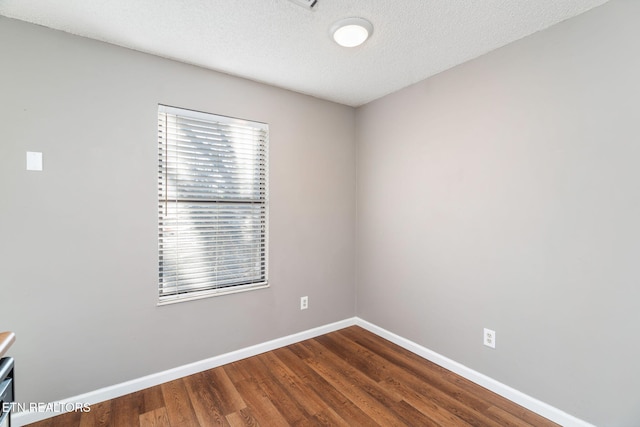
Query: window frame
215, 289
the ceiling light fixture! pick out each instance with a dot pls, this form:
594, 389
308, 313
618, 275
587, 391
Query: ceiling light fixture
351, 32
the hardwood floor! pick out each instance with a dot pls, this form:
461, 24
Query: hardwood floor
349, 377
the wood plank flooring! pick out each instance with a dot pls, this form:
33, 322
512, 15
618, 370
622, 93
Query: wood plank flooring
350, 377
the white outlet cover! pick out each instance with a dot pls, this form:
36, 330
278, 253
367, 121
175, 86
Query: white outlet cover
34, 161
489, 338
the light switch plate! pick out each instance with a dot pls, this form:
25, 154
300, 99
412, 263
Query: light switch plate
34, 161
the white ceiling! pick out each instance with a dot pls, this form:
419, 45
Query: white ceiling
286, 45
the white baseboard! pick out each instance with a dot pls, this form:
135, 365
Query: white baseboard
19, 419
532, 404
26, 417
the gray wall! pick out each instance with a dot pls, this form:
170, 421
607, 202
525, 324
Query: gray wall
505, 193
78, 248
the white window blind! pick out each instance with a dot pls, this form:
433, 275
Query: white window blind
212, 204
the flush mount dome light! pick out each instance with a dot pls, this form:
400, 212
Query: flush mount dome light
351, 32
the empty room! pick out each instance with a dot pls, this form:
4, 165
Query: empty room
300, 212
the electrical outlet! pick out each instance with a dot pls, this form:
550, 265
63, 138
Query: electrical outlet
489, 338
304, 303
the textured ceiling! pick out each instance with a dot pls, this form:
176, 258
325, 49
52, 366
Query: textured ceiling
283, 44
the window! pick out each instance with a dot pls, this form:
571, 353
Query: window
212, 204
